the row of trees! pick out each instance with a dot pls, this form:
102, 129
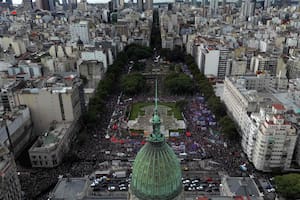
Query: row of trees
288, 185
204, 87
133, 84
214, 102
179, 84
111, 82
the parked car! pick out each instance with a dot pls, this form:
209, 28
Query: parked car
111, 188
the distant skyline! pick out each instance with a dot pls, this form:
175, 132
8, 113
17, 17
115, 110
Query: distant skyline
105, 1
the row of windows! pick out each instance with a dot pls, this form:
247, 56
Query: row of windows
45, 163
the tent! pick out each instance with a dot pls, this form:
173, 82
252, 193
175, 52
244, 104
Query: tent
115, 126
188, 134
13, 12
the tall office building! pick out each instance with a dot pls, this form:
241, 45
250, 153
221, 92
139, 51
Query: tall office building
223, 4
121, 4
267, 4
148, 5
145, 5
248, 9
10, 188
194, 3
9, 3
140, 4
80, 31
213, 7
27, 5
42, 4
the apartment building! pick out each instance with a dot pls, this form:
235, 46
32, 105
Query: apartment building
268, 134
54, 102
16, 129
80, 31
275, 141
264, 63
92, 65
8, 95
211, 57
10, 188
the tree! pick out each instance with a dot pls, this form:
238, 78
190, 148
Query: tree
139, 66
216, 106
288, 185
228, 128
133, 84
179, 84
136, 52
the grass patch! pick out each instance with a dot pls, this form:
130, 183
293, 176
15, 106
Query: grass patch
180, 131
136, 109
141, 132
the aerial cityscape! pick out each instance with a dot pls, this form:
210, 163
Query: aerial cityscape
143, 100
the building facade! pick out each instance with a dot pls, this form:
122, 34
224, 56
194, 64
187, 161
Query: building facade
49, 149
16, 129
275, 141
269, 135
10, 188
80, 31
54, 103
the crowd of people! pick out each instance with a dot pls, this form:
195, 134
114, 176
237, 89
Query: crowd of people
110, 138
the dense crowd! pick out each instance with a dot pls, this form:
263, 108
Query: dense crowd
110, 138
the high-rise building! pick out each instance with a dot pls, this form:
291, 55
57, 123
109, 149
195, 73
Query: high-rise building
267, 4
80, 31
27, 5
54, 102
121, 4
144, 5
10, 188
148, 5
140, 5
42, 4
9, 3
269, 133
194, 3
248, 9
156, 170
213, 7
275, 141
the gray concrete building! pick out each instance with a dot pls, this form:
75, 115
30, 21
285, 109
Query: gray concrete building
56, 101
49, 149
10, 188
240, 186
16, 129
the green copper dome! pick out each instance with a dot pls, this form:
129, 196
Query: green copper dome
156, 171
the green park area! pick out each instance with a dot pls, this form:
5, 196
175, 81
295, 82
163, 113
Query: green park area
137, 109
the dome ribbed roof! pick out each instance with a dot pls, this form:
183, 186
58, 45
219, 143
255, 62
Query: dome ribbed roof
156, 173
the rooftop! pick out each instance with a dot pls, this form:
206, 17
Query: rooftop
242, 186
51, 137
70, 189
